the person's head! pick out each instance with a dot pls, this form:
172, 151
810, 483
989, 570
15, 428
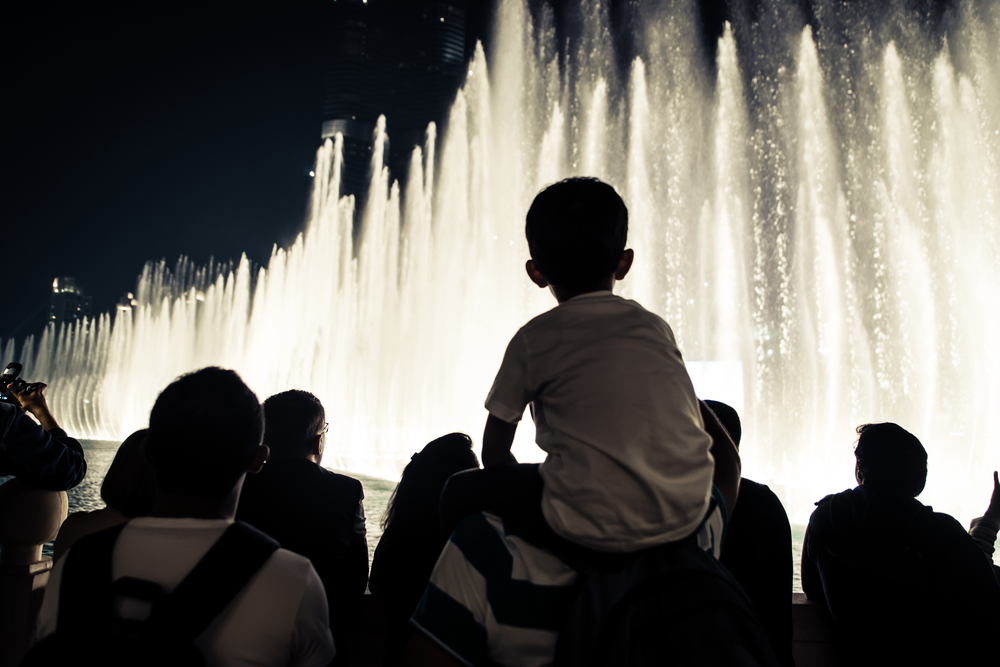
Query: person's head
729, 419
576, 231
424, 476
204, 433
891, 459
130, 484
294, 425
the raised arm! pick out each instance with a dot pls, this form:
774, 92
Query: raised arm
43, 456
984, 529
727, 458
498, 437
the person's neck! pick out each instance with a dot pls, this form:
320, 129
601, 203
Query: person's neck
563, 294
182, 506
312, 458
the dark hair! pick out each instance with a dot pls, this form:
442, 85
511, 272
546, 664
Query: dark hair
292, 420
890, 458
576, 232
424, 476
130, 484
203, 432
729, 419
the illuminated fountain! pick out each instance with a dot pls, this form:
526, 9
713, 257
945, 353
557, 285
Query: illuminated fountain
820, 207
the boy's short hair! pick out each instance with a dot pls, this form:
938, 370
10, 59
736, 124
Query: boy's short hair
576, 232
292, 420
890, 458
203, 432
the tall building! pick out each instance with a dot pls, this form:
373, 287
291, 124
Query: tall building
402, 58
67, 302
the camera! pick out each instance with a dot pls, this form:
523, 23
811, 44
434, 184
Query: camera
11, 385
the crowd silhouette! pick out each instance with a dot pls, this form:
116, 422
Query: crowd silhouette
637, 541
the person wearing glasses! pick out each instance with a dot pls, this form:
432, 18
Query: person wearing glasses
310, 510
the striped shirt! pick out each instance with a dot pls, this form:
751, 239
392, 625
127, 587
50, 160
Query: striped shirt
495, 598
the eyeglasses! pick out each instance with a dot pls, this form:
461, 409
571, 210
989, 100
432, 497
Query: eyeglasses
326, 428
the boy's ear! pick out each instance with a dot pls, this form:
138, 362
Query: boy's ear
536, 275
624, 264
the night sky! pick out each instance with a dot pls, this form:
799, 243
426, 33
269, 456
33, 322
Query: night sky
144, 131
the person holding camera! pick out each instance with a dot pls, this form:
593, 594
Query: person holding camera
40, 454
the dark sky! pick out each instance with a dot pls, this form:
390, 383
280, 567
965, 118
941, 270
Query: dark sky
139, 131
135, 131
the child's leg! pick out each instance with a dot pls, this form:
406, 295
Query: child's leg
513, 492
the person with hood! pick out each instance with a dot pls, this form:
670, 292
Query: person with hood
903, 583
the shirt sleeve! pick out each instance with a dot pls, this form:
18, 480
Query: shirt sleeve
359, 519
312, 640
984, 532
45, 459
510, 395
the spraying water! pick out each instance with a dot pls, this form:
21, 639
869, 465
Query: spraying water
817, 209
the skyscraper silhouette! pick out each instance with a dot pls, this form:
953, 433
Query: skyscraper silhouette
401, 58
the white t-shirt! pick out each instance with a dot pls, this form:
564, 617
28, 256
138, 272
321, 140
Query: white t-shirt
628, 465
279, 618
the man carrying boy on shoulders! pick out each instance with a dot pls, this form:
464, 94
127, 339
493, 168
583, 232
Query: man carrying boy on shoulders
629, 463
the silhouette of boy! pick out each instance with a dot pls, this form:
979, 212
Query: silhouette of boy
628, 462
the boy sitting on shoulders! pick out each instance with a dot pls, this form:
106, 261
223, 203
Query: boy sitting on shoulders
629, 463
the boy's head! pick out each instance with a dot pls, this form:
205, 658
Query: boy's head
205, 432
576, 232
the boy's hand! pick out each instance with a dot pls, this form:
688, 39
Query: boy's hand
498, 437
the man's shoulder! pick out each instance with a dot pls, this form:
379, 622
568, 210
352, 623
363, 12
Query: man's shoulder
341, 482
820, 517
290, 565
303, 473
760, 498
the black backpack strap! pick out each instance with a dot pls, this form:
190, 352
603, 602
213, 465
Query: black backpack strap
213, 583
85, 589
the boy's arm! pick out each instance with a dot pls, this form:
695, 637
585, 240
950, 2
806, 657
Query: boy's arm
498, 437
727, 458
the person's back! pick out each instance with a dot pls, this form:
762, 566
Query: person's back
758, 549
204, 435
901, 581
310, 510
411, 542
628, 463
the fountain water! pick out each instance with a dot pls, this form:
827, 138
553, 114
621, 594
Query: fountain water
819, 205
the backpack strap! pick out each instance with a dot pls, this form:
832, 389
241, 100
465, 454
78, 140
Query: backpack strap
213, 583
85, 591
